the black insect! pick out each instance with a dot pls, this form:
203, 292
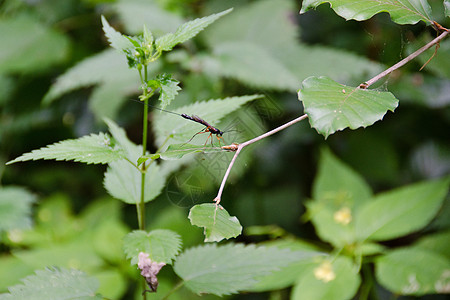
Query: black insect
208, 127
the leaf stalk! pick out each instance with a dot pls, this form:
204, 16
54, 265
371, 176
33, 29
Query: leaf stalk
242, 145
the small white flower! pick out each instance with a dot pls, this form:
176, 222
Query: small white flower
343, 216
325, 272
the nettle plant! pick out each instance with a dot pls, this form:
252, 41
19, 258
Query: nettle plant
345, 213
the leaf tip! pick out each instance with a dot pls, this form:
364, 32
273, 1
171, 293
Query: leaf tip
104, 22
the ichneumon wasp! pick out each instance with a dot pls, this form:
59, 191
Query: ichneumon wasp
208, 127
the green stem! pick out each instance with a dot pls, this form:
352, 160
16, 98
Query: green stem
368, 283
141, 204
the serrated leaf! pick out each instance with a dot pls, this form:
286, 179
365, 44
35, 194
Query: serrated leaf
148, 36
115, 38
187, 31
331, 106
108, 72
401, 11
55, 283
216, 221
15, 208
413, 271
123, 179
120, 137
229, 269
162, 245
401, 211
90, 71
38, 47
343, 286
92, 149
211, 111
169, 89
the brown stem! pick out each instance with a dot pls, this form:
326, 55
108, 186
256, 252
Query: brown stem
254, 140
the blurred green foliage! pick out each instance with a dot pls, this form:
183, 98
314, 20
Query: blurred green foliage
57, 81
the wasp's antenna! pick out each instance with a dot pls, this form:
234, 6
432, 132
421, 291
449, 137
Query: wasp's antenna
155, 107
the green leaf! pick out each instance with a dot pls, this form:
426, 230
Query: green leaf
331, 106
241, 38
401, 211
92, 149
123, 179
15, 208
29, 45
447, 8
367, 248
86, 73
162, 245
338, 192
169, 89
288, 275
211, 111
148, 36
55, 283
77, 251
216, 221
401, 11
338, 231
107, 237
8, 262
313, 284
115, 38
134, 13
334, 177
187, 31
250, 23
113, 283
229, 269
110, 75
230, 57
438, 243
412, 271
120, 137
144, 158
